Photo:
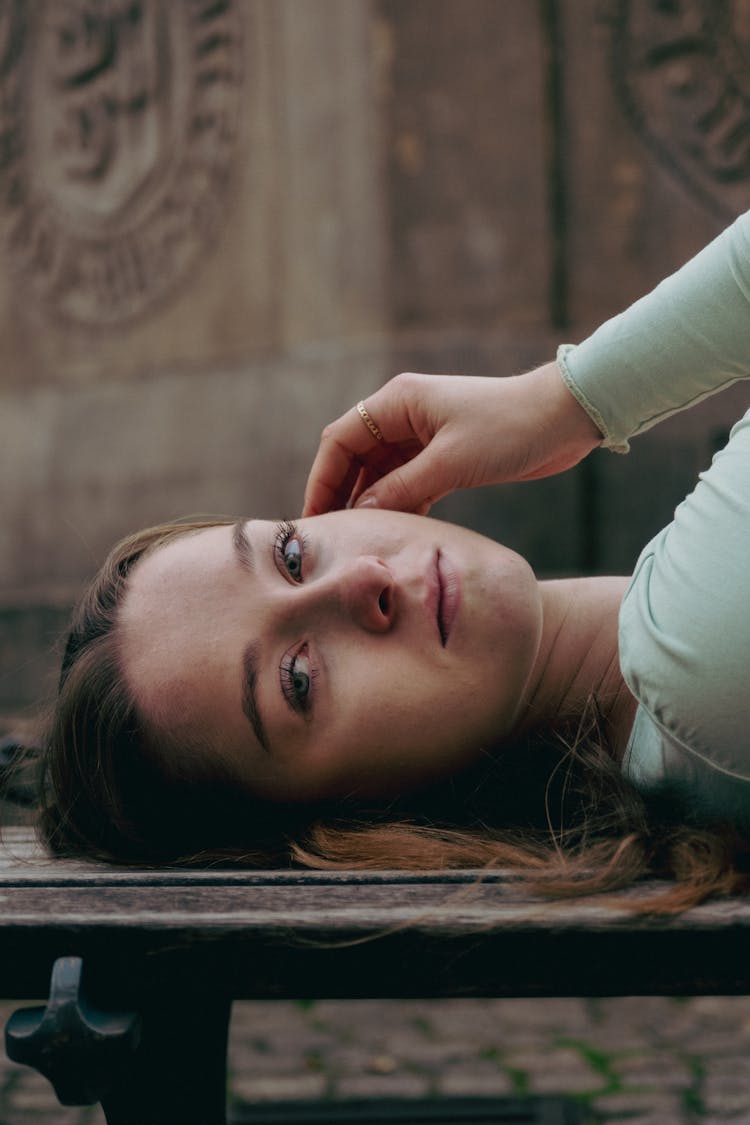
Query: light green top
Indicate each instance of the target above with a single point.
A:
(684, 632)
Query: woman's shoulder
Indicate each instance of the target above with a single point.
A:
(709, 784)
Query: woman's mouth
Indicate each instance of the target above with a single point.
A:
(449, 596)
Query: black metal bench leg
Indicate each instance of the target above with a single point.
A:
(178, 1075)
(165, 1065)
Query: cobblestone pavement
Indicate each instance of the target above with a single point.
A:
(637, 1061)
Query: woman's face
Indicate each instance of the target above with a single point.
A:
(356, 653)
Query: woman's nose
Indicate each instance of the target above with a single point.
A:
(367, 592)
(363, 589)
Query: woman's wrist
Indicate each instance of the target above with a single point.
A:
(567, 417)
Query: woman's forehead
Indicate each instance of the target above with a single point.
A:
(188, 558)
(174, 592)
(177, 608)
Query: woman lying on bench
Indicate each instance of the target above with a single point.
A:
(367, 687)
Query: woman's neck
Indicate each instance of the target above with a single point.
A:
(578, 658)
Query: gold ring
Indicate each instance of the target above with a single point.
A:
(374, 430)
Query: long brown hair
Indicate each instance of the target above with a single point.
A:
(553, 806)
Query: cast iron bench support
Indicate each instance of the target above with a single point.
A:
(166, 1063)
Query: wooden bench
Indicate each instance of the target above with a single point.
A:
(145, 963)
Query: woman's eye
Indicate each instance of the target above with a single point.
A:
(289, 549)
(293, 559)
(296, 679)
(301, 677)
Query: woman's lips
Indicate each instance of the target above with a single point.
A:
(449, 596)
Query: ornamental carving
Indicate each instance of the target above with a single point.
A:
(118, 135)
(682, 68)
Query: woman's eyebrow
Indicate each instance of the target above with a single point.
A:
(242, 546)
(250, 662)
(250, 657)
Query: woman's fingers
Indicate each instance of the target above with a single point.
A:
(414, 484)
(334, 471)
(331, 481)
(348, 445)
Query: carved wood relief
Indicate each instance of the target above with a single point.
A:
(682, 71)
(118, 133)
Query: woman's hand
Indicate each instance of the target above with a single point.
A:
(445, 432)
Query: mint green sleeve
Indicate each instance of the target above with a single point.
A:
(685, 340)
(684, 635)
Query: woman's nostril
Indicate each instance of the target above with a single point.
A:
(384, 602)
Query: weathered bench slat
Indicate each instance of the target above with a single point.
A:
(344, 909)
(222, 898)
(295, 934)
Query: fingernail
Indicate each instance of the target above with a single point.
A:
(367, 502)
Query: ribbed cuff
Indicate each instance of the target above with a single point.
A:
(609, 442)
